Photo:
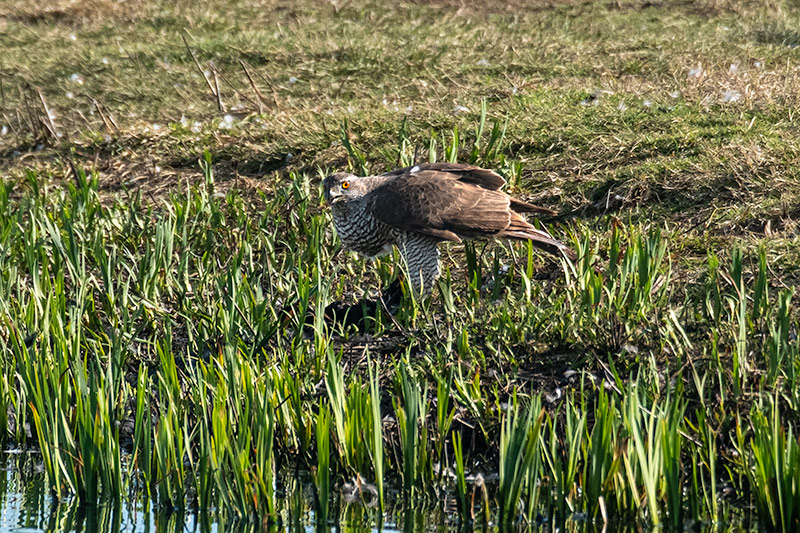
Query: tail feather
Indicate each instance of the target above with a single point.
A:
(524, 207)
(518, 228)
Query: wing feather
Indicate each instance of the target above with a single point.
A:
(484, 178)
(423, 202)
(453, 202)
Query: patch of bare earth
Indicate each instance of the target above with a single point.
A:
(68, 11)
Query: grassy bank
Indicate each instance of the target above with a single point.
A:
(163, 243)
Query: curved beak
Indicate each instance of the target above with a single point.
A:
(331, 195)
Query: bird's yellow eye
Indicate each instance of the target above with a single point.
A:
(345, 185)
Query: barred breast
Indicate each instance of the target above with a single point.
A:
(361, 232)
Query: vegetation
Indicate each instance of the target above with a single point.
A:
(165, 260)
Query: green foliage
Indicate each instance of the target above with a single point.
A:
(519, 445)
(322, 474)
(376, 430)
(464, 508)
(200, 320)
(162, 330)
(410, 413)
(773, 468)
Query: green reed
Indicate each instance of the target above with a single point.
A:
(189, 317)
(774, 468)
(376, 430)
(519, 445)
(322, 474)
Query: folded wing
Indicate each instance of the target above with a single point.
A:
(453, 202)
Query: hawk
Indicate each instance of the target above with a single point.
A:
(415, 208)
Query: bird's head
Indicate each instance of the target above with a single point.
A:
(339, 186)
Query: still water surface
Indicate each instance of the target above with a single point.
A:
(26, 506)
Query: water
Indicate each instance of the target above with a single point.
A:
(27, 506)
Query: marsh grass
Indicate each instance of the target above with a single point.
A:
(519, 445)
(162, 290)
(774, 468)
(212, 417)
(322, 473)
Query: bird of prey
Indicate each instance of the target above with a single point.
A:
(416, 208)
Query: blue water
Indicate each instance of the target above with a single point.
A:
(27, 506)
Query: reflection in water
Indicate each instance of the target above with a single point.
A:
(26, 506)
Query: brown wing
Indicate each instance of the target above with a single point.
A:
(433, 203)
(481, 177)
(430, 203)
(520, 229)
(486, 179)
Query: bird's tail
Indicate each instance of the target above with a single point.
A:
(524, 207)
(522, 230)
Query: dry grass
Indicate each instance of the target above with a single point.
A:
(72, 12)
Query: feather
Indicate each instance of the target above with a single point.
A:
(486, 179)
(451, 202)
(520, 229)
(524, 207)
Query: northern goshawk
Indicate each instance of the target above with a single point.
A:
(415, 208)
